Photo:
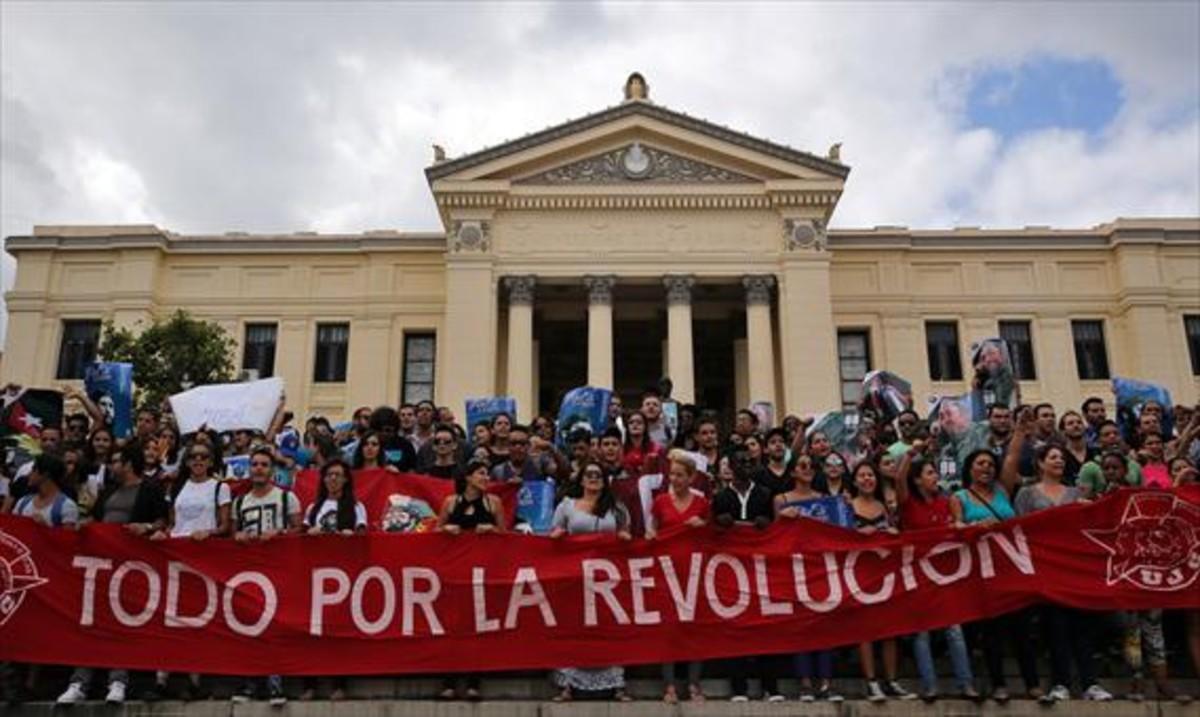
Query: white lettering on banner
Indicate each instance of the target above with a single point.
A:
(270, 603)
(322, 599)
(639, 584)
(603, 588)
(1017, 551)
(175, 571)
(832, 600)
(91, 566)
(852, 586)
(685, 600)
(710, 586)
(766, 605)
(153, 593)
(536, 597)
(422, 599)
(964, 563)
(386, 614)
(483, 623)
(906, 567)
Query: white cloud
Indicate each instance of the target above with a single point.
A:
(216, 117)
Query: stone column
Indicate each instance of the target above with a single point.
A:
(600, 341)
(759, 339)
(520, 343)
(680, 362)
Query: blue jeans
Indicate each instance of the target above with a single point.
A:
(958, 658)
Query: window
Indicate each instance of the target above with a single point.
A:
(259, 352)
(333, 343)
(77, 348)
(420, 354)
(854, 361)
(1191, 326)
(1091, 357)
(1020, 348)
(941, 343)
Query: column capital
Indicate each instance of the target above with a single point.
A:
(679, 288)
(520, 289)
(600, 288)
(758, 288)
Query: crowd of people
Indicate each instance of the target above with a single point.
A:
(161, 485)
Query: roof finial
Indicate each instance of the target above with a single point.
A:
(636, 88)
(835, 152)
(439, 154)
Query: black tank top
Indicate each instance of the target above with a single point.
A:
(469, 514)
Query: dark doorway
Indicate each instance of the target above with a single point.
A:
(562, 360)
(712, 342)
(637, 356)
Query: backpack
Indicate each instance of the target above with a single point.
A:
(56, 509)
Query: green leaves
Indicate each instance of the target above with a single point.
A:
(169, 353)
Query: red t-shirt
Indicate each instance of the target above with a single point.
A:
(666, 515)
(916, 513)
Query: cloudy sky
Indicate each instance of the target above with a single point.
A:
(212, 117)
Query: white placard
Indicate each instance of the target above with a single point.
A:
(228, 406)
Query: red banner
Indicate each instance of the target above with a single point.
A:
(433, 602)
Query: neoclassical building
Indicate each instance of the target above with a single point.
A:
(613, 249)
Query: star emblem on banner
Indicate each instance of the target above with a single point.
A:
(18, 575)
(1156, 544)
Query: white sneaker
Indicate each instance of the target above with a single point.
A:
(739, 698)
(875, 692)
(1096, 693)
(116, 693)
(776, 698)
(74, 694)
(1060, 693)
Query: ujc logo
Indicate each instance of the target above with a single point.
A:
(18, 574)
(1156, 546)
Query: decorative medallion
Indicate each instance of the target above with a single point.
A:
(469, 236)
(804, 234)
(640, 163)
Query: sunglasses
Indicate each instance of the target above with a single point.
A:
(442, 442)
(593, 474)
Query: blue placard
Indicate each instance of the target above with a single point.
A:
(583, 407)
(535, 505)
(483, 410)
(834, 510)
(1132, 395)
(237, 467)
(109, 385)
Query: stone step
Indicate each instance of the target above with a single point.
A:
(520, 708)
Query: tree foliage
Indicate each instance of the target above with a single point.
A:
(169, 354)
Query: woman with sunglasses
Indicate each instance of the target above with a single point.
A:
(199, 510)
(335, 509)
(791, 505)
(596, 510)
(871, 515)
(832, 478)
(470, 510)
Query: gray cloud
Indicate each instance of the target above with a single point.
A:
(306, 116)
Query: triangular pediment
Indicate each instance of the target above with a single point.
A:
(637, 142)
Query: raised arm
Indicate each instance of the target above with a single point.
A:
(902, 475)
(89, 407)
(1010, 472)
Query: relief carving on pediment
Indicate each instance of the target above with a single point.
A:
(638, 163)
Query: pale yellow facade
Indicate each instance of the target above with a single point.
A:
(636, 217)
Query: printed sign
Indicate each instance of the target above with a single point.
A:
(109, 385)
(228, 406)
